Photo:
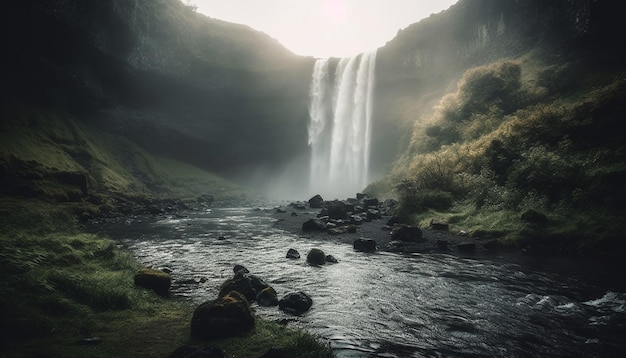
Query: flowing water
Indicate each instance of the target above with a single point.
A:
(392, 305)
(340, 127)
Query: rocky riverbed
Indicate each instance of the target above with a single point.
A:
(380, 227)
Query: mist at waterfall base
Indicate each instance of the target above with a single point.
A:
(339, 135)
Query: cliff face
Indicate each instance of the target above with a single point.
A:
(425, 60)
(209, 92)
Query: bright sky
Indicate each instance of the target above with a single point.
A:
(324, 28)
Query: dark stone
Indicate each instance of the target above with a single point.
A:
(316, 202)
(281, 210)
(407, 234)
(293, 254)
(295, 303)
(361, 196)
(442, 244)
(365, 245)
(316, 257)
(373, 214)
(267, 297)
(466, 247)
(189, 351)
(331, 259)
(313, 225)
(155, 280)
(241, 284)
(338, 209)
(368, 202)
(227, 316)
(238, 269)
(438, 225)
(294, 214)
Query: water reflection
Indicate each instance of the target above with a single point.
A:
(390, 305)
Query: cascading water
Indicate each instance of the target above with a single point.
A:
(340, 126)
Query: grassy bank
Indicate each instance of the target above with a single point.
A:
(62, 286)
(527, 151)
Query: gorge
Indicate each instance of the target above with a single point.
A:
(498, 120)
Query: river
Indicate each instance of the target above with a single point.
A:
(394, 305)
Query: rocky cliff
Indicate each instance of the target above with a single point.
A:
(215, 94)
(425, 60)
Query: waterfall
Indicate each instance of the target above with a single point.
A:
(340, 125)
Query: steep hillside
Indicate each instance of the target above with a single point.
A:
(425, 60)
(512, 118)
(182, 85)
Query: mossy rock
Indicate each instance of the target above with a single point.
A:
(155, 280)
(316, 257)
(224, 317)
(267, 297)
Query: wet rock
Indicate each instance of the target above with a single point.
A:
(338, 209)
(267, 297)
(313, 225)
(241, 284)
(281, 210)
(316, 257)
(393, 220)
(443, 244)
(295, 303)
(226, 316)
(293, 254)
(155, 280)
(238, 269)
(331, 259)
(316, 202)
(407, 234)
(370, 202)
(365, 245)
(190, 351)
(373, 214)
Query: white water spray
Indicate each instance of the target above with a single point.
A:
(340, 126)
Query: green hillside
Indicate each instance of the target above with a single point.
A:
(528, 151)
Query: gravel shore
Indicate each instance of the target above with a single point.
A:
(291, 219)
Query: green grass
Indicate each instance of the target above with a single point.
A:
(516, 136)
(61, 285)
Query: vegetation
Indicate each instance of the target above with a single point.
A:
(525, 152)
(61, 285)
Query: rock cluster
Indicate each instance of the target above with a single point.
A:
(338, 217)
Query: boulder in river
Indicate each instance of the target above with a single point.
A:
(267, 297)
(227, 316)
(316, 202)
(246, 284)
(295, 303)
(293, 254)
(313, 225)
(466, 247)
(316, 257)
(365, 245)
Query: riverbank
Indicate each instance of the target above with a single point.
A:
(69, 293)
(291, 218)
